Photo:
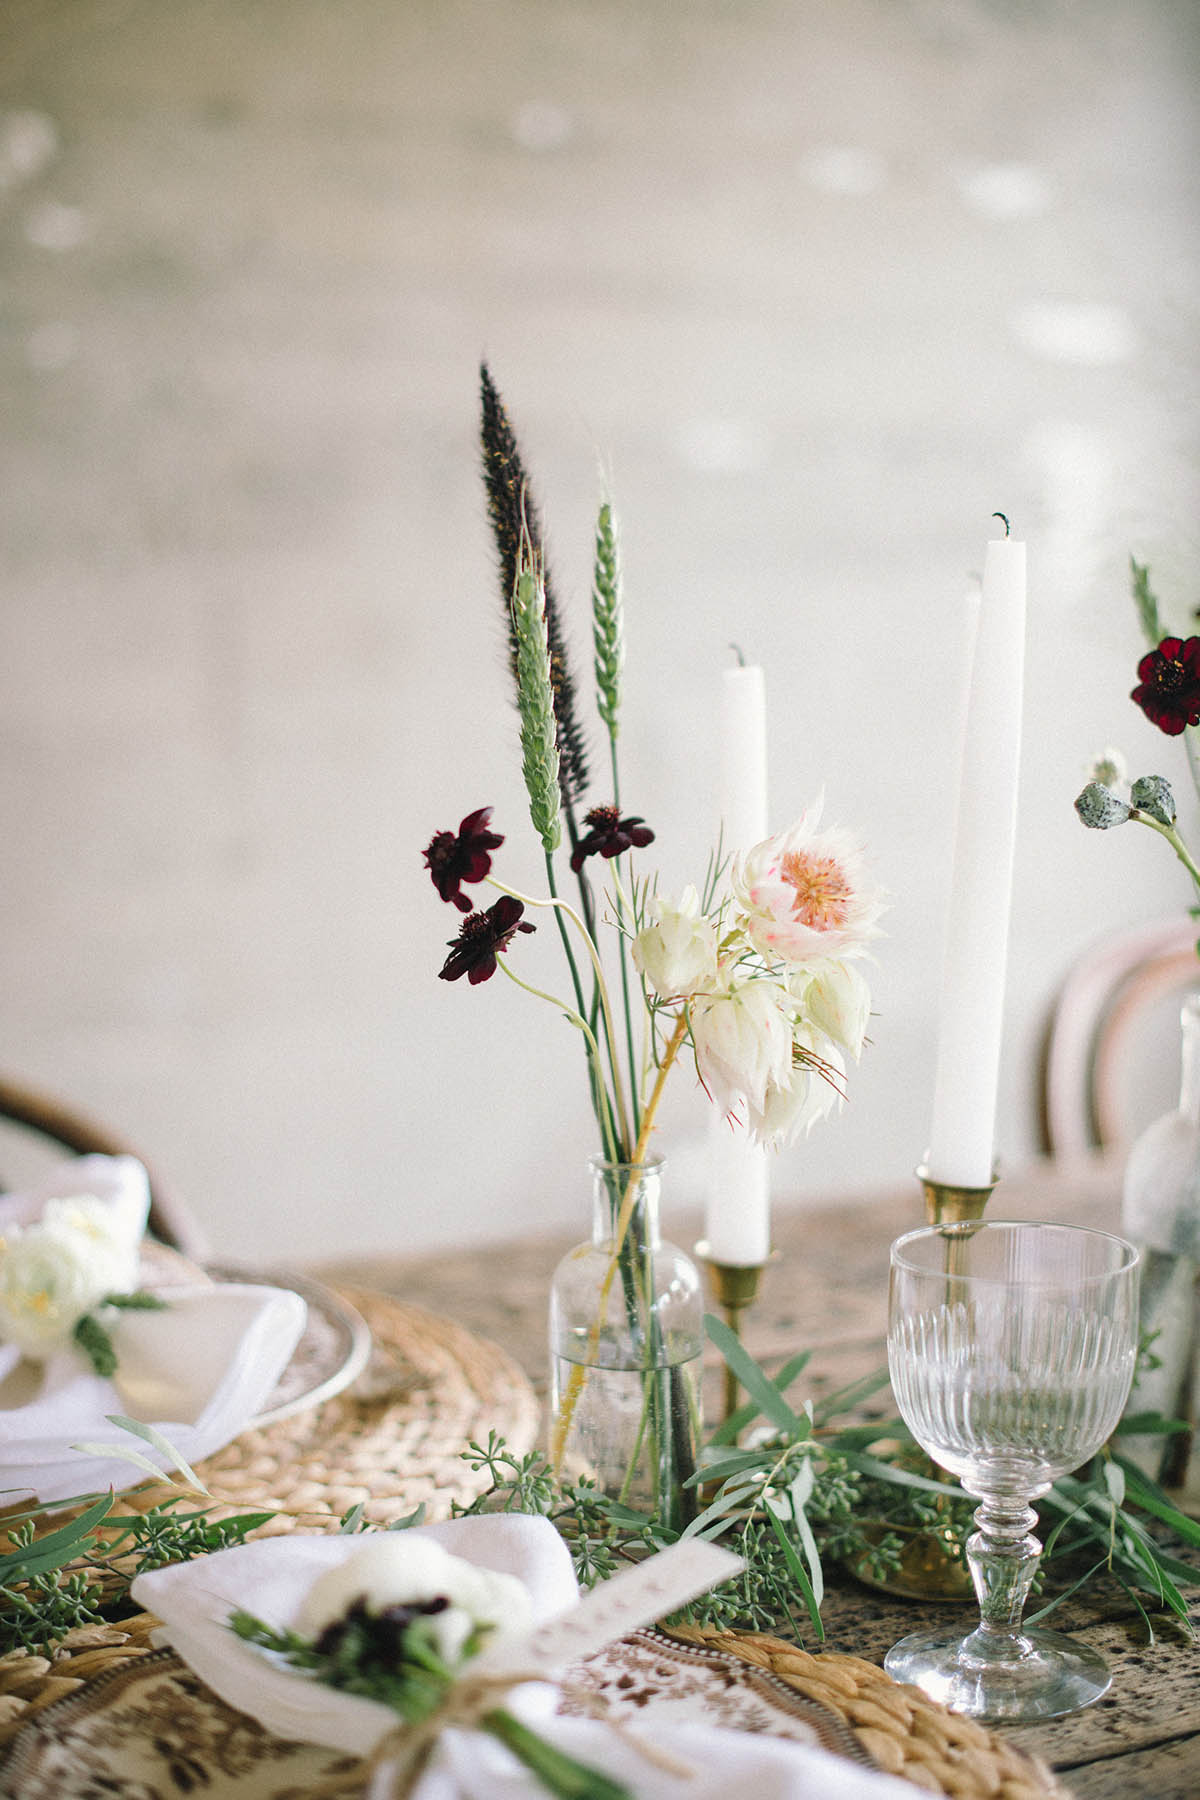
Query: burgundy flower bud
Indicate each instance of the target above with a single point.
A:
(611, 835)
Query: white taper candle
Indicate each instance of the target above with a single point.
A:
(962, 1137)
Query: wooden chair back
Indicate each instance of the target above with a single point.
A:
(1091, 1039)
(55, 1123)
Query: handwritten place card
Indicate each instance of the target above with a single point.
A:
(635, 1597)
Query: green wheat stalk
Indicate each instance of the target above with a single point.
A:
(535, 699)
(608, 635)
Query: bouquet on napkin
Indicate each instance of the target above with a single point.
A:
(82, 1343)
(463, 1630)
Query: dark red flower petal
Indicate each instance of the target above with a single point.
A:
(1168, 689)
(610, 836)
(481, 938)
(465, 855)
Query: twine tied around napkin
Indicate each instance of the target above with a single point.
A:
(470, 1704)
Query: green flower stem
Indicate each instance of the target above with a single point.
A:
(558, 1772)
(634, 1085)
(600, 1100)
(1191, 743)
(562, 1425)
(1171, 833)
(563, 908)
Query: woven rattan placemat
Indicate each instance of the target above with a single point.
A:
(392, 1440)
(75, 1713)
(903, 1731)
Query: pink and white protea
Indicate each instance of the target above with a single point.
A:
(811, 1091)
(835, 998)
(743, 1039)
(677, 952)
(804, 896)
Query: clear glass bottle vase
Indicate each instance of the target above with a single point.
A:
(626, 1335)
(1160, 1212)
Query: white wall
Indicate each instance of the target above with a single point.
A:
(824, 285)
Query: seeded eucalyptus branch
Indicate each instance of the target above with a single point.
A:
(607, 632)
(79, 1573)
(806, 1491)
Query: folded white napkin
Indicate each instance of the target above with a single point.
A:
(271, 1578)
(197, 1371)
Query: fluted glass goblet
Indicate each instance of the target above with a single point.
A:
(1011, 1349)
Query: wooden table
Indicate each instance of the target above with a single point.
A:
(828, 1292)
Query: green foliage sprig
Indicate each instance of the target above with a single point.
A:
(808, 1487)
(80, 1573)
(92, 1336)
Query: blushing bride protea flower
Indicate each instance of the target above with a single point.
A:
(813, 1089)
(836, 999)
(677, 952)
(804, 895)
(743, 1038)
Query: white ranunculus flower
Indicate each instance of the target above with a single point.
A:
(743, 1040)
(804, 895)
(791, 1108)
(113, 1228)
(678, 952)
(50, 1275)
(404, 1568)
(837, 1000)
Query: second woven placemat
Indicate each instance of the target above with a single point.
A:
(392, 1440)
(903, 1731)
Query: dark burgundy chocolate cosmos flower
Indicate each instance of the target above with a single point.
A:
(465, 855)
(1168, 689)
(611, 835)
(481, 938)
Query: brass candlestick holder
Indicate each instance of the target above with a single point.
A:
(948, 1203)
(734, 1287)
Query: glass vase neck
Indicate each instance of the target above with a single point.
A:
(1189, 1081)
(618, 1186)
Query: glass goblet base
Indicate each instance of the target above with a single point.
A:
(1038, 1675)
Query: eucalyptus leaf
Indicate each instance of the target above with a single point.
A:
(158, 1442)
(758, 1385)
(799, 1575)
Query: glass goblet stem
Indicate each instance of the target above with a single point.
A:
(1003, 1556)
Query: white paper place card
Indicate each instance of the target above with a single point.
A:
(637, 1596)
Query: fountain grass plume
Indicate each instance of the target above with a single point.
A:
(514, 517)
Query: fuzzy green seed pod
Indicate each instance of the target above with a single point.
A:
(1152, 794)
(1099, 808)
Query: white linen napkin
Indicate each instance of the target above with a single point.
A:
(197, 1371)
(270, 1579)
(120, 1182)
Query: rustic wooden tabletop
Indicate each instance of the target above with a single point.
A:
(827, 1291)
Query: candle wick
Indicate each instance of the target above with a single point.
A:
(737, 651)
(1004, 521)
